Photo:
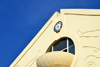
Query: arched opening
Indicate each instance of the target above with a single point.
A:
(59, 54)
(65, 45)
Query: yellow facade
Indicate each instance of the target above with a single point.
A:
(81, 25)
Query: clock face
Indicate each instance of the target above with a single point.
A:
(58, 26)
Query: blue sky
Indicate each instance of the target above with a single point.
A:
(21, 20)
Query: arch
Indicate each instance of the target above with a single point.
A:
(75, 40)
(64, 44)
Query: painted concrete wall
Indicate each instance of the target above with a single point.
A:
(81, 25)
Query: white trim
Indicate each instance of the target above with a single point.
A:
(71, 46)
(67, 45)
(63, 49)
(52, 49)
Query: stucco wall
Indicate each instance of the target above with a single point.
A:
(81, 25)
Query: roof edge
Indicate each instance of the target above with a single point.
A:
(81, 11)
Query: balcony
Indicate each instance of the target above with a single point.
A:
(55, 59)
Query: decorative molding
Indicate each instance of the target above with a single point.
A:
(80, 14)
(92, 33)
(17, 66)
(91, 59)
(91, 64)
(33, 60)
(94, 48)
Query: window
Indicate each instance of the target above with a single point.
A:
(65, 45)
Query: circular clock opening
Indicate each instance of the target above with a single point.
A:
(58, 26)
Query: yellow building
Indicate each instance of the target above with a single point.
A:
(69, 39)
